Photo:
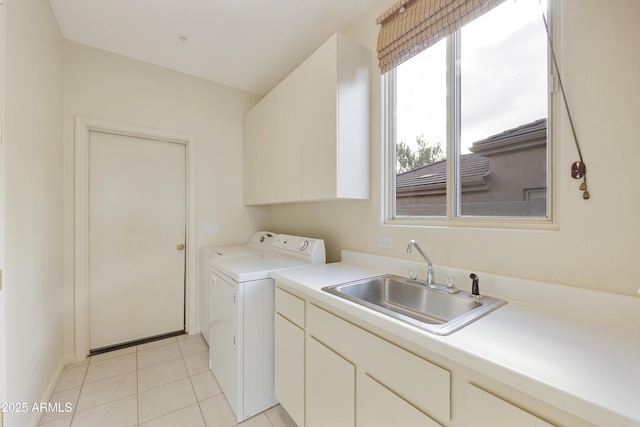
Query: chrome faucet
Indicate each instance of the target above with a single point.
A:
(413, 244)
(429, 283)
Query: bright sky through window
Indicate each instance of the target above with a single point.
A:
(490, 101)
(488, 79)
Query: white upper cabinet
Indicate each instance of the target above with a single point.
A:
(308, 139)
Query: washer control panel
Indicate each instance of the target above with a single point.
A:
(262, 240)
(307, 248)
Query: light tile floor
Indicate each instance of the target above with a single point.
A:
(162, 383)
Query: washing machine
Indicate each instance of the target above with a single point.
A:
(242, 313)
(259, 242)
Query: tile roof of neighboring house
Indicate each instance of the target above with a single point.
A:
(473, 164)
(526, 132)
(436, 173)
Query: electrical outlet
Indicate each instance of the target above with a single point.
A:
(385, 242)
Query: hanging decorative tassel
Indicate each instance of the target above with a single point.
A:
(579, 170)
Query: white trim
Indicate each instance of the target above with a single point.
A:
(388, 139)
(81, 307)
(46, 397)
(451, 218)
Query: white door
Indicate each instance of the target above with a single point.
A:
(137, 208)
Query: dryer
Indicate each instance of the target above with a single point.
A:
(242, 313)
(259, 242)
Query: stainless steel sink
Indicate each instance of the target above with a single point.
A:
(435, 311)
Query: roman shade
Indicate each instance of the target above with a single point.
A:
(411, 26)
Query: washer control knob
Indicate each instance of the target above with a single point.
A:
(303, 245)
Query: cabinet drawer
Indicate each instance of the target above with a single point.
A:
(416, 380)
(290, 307)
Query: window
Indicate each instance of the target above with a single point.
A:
(469, 127)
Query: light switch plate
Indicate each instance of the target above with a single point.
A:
(211, 229)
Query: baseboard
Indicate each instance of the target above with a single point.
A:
(37, 416)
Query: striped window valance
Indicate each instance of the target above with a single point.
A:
(411, 26)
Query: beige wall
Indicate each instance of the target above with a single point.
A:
(42, 102)
(595, 246)
(115, 88)
(598, 241)
(33, 211)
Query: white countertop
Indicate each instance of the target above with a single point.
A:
(548, 346)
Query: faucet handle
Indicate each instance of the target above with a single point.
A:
(451, 282)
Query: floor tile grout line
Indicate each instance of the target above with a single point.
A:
(179, 409)
(84, 378)
(75, 412)
(194, 393)
(160, 363)
(121, 397)
(91, 361)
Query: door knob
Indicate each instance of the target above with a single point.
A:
(180, 247)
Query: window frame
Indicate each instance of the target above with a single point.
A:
(452, 217)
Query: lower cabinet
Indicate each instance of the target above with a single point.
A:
(331, 372)
(418, 388)
(289, 354)
(331, 387)
(289, 367)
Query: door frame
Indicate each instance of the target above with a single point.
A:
(83, 126)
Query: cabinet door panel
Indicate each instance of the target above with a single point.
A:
(319, 156)
(283, 178)
(308, 139)
(259, 127)
(267, 146)
(485, 409)
(380, 407)
(330, 388)
(289, 368)
(424, 384)
(353, 121)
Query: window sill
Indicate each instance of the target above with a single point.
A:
(476, 222)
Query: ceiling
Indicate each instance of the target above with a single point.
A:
(250, 45)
